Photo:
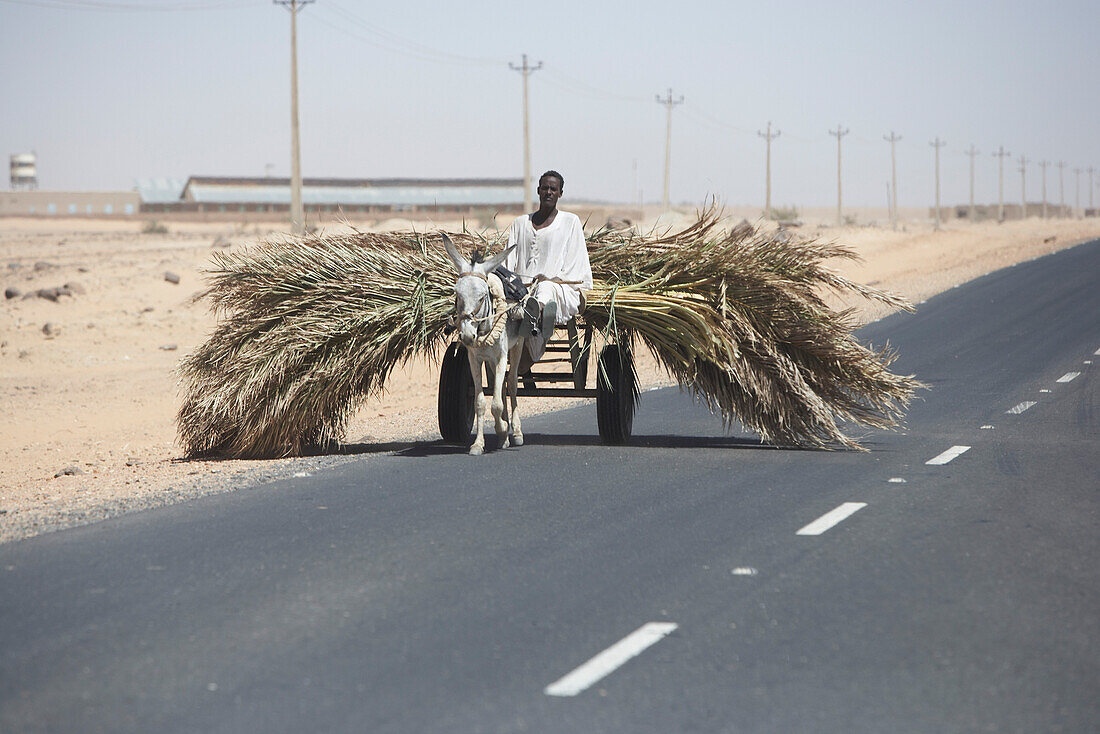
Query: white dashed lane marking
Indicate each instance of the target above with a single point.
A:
(1069, 376)
(607, 661)
(831, 518)
(952, 453)
(1016, 410)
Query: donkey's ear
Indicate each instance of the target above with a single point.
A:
(495, 261)
(459, 261)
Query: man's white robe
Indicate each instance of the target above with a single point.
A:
(555, 252)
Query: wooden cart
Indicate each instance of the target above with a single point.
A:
(615, 391)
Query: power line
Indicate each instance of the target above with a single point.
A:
(106, 6)
(589, 93)
(400, 44)
(577, 86)
(705, 116)
(348, 23)
(316, 18)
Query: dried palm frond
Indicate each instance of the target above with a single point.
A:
(311, 327)
(738, 318)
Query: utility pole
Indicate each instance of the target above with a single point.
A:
(527, 187)
(1077, 186)
(768, 168)
(1061, 191)
(668, 102)
(1090, 169)
(893, 200)
(1043, 165)
(634, 191)
(1023, 186)
(840, 132)
(1000, 155)
(972, 152)
(937, 144)
(297, 214)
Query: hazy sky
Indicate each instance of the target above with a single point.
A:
(109, 91)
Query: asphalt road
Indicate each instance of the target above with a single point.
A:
(567, 586)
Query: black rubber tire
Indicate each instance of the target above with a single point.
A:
(456, 397)
(616, 394)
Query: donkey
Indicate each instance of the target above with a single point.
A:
(491, 337)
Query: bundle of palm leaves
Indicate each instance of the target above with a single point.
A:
(310, 327)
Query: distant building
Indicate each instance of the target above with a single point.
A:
(333, 196)
(24, 171)
(159, 190)
(986, 212)
(69, 203)
(234, 199)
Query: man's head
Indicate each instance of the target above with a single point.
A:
(551, 186)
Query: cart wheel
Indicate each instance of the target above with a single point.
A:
(456, 397)
(616, 394)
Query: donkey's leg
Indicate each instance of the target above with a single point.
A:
(479, 404)
(513, 385)
(500, 372)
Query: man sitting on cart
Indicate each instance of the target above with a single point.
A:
(552, 259)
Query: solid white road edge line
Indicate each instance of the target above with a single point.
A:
(946, 456)
(831, 518)
(607, 661)
(1016, 410)
(1068, 376)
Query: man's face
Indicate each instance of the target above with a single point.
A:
(549, 191)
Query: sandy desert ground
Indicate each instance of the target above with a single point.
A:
(87, 383)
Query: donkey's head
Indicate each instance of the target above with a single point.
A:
(473, 302)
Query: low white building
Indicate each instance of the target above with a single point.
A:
(221, 195)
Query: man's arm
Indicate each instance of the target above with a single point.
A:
(512, 261)
(575, 263)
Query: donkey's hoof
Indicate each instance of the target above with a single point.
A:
(476, 450)
(504, 443)
(517, 439)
